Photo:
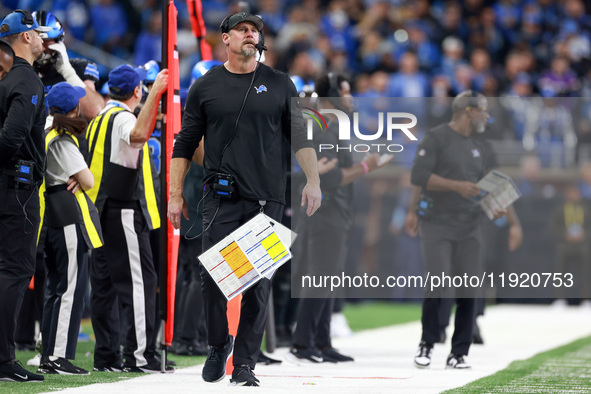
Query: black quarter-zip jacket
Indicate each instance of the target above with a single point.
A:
(254, 155)
(22, 117)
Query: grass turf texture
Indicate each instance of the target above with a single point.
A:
(84, 360)
(368, 315)
(360, 316)
(566, 369)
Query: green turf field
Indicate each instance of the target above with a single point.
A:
(369, 315)
(83, 360)
(566, 369)
(360, 316)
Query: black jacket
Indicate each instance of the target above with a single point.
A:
(337, 200)
(22, 118)
(254, 155)
(450, 155)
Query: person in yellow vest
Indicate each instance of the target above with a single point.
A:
(124, 195)
(72, 229)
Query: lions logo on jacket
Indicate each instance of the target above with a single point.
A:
(260, 89)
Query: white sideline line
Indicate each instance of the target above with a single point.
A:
(384, 358)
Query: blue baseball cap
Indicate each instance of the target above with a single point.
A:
(20, 21)
(64, 97)
(124, 79)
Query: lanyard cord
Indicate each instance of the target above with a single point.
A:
(238, 117)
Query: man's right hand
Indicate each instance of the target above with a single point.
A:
(176, 206)
(467, 189)
(161, 82)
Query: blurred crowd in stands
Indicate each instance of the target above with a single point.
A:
(394, 48)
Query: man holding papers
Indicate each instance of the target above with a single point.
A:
(447, 166)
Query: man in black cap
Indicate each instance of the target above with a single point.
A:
(243, 109)
(22, 153)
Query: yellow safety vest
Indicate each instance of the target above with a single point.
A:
(62, 208)
(98, 135)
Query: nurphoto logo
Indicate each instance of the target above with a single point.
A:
(394, 122)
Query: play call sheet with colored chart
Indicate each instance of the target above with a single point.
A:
(253, 251)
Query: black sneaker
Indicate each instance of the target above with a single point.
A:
(264, 359)
(456, 361)
(423, 356)
(153, 367)
(298, 355)
(60, 366)
(14, 372)
(183, 349)
(169, 363)
(214, 369)
(332, 356)
(244, 376)
(110, 368)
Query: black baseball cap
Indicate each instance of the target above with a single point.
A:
(231, 21)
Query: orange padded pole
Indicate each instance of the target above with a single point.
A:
(233, 314)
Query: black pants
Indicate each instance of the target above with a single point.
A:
(67, 282)
(32, 306)
(126, 258)
(18, 237)
(313, 324)
(253, 310)
(452, 250)
(322, 253)
(190, 327)
(104, 313)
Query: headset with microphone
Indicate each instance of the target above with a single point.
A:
(28, 19)
(260, 46)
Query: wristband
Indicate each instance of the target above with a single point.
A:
(365, 167)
